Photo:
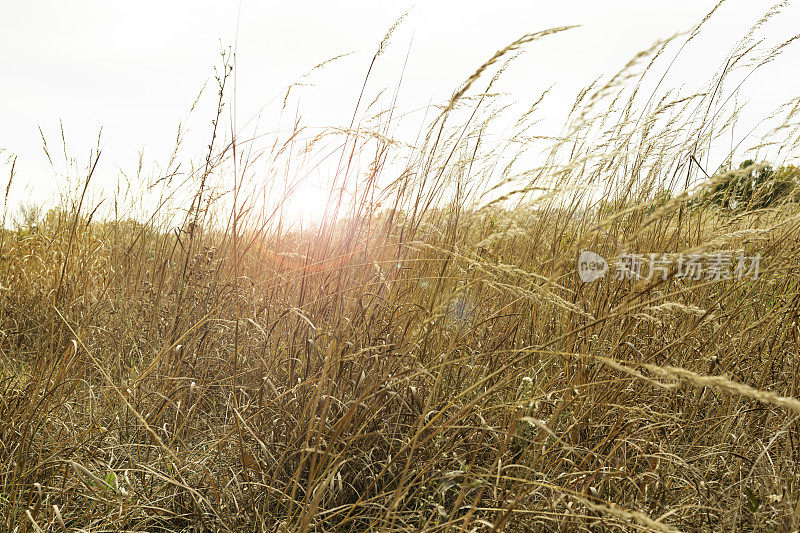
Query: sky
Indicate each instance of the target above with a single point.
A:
(134, 69)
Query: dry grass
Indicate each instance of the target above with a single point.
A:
(434, 364)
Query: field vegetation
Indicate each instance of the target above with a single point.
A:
(425, 356)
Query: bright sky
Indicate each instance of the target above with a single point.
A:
(135, 68)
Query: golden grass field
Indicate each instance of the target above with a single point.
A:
(424, 358)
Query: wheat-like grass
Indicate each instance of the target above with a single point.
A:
(426, 357)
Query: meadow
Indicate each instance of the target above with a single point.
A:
(425, 356)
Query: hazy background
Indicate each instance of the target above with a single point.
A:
(135, 69)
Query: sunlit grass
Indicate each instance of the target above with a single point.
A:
(417, 354)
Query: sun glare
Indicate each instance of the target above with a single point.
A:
(305, 206)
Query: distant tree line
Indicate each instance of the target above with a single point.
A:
(754, 186)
